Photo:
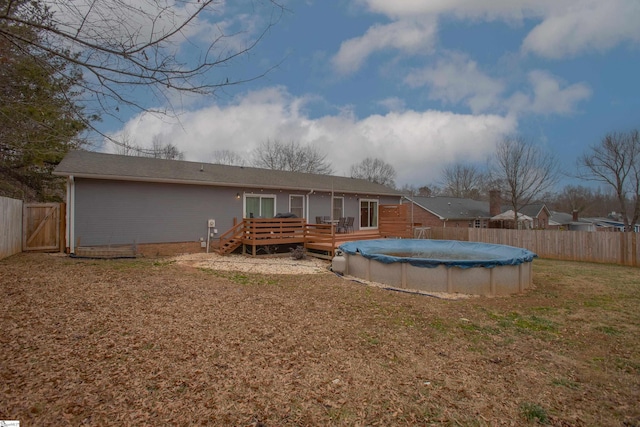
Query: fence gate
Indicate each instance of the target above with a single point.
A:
(42, 227)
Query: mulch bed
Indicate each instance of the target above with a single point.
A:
(152, 342)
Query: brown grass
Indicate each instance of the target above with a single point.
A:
(149, 342)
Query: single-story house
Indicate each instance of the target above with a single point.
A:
(459, 212)
(115, 199)
(565, 221)
(449, 212)
(530, 217)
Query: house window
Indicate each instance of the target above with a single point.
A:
(338, 207)
(259, 206)
(477, 224)
(368, 213)
(296, 205)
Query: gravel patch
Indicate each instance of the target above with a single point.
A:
(263, 265)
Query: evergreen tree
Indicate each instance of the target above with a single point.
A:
(40, 120)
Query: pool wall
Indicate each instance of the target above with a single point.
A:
(494, 281)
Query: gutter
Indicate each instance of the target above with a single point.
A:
(212, 183)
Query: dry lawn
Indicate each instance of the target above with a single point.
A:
(155, 342)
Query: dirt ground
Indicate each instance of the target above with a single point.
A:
(154, 341)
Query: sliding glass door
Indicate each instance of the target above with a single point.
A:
(259, 206)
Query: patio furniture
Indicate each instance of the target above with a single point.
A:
(341, 227)
(349, 224)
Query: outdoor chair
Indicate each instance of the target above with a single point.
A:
(341, 227)
(319, 220)
(349, 224)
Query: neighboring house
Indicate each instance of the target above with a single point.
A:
(530, 217)
(565, 221)
(459, 212)
(539, 213)
(449, 212)
(610, 224)
(114, 199)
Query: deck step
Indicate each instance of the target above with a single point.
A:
(229, 246)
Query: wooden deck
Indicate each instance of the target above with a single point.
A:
(258, 235)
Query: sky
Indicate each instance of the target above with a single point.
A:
(420, 84)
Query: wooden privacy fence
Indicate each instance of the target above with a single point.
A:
(43, 227)
(613, 247)
(10, 227)
(393, 221)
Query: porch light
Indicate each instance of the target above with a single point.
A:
(238, 196)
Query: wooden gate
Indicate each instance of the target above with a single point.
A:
(43, 227)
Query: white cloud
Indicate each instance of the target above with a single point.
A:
(471, 9)
(566, 28)
(456, 79)
(407, 36)
(416, 143)
(548, 96)
(584, 26)
(393, 104)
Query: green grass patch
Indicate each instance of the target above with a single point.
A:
(564, 382)
(524, 323)
(609, 330)
(533, 412)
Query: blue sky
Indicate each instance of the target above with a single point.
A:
(420, 84)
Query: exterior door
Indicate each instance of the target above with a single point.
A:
(41, 227)
(368, 213)
(259, 206)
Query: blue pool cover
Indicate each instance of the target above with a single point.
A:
(433, 253)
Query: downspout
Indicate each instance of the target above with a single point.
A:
(308, 213)
(71, 199)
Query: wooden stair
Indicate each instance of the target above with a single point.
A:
(231, 240)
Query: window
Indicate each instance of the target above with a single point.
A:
(368, 213)
(259, 206)
(296, 205)
(338, 207)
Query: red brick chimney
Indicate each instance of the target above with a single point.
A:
(574, 215)
(495, 202)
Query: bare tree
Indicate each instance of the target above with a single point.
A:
(227, 157)
(125, 145)
(422, 191)
(374, 170)
(616, 162)
(291, 157)
(522, 171)
(461, 180)
(123, 45)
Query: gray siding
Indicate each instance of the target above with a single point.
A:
(125, 212)
(122, 212)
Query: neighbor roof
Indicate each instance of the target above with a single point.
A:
(88, 164)
(453, 207)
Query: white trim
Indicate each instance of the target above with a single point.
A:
(333, 207)
(261, 195)
(377, 202)
(71, 223)
(304, 213)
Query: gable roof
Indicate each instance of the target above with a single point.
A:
(88, 164)
(453, 207)
(534, 210)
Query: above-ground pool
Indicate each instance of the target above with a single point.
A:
(440, 265)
